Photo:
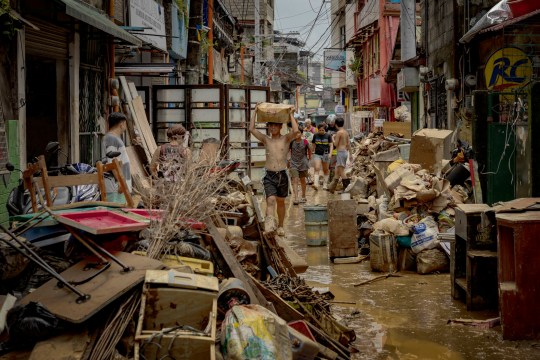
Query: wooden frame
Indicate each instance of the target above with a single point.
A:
(49, 182)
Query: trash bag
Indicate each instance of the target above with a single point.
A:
(429, 261)
(254, 332)
(30, 323)
(425, 235)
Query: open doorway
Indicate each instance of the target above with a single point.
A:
(46, 105)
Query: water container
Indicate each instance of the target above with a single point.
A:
(316, 223)
(316, 233)
(383, 252)
(316, 213)
(405, 151)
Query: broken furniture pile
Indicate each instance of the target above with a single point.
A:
(149, 283)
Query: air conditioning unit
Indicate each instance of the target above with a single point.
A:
(408, 79)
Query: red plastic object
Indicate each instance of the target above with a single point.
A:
(157, 214)
(100, 222)
(303, 328)
(522, 7)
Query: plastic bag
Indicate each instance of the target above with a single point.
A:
(429, 261)
(30, 323)
(392, 226)
(425, 235)
(383, 208)
(254, 332)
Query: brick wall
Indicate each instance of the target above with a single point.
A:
(11, 180)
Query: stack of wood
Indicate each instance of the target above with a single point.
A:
(143, 143)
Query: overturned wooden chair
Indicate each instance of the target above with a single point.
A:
(47, 183)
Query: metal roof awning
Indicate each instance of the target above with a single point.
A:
(91, 16)
(362, 35)
(146, 69)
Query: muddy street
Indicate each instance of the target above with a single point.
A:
(400, 317)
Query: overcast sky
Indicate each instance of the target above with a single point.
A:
(299, 15)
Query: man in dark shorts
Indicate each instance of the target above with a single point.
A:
(275, 181)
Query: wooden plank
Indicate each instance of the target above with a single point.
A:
(133, 90)
(68, 180)
(299, 264)
(69, 345)
(129, 111)
(138, 174)
(237, 270)
(143, 125)
(103, 289)
(125, 88)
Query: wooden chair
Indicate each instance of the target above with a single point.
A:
(50, 182)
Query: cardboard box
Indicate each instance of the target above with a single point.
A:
(429, 147)
(399, 127)
(277, 113)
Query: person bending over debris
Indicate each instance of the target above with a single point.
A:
(343, 146)
(169, 158)
(275, 180)
(112, 142)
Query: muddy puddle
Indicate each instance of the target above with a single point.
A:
(404, 317)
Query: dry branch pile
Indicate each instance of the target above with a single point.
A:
(189, 198)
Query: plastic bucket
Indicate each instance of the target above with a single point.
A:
(316, 233)
(315, 213)
(458, 174)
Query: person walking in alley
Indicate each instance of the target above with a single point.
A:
(322, 143)
(169, 158)
(299, 165)
(275, 180)
(342, 144)
(112, 141)
(309, 128)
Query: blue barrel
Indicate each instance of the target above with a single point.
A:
(316, 213)
(316, 224)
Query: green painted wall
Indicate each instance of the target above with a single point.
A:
(11, 179)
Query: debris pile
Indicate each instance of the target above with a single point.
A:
(404, 206)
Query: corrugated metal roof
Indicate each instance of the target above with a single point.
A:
(91, 16)
(509, 22)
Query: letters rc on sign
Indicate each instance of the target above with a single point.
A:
(506, 68)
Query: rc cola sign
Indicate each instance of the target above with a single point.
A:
(507, 68)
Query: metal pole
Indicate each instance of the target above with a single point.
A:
(33, 256)
(257, 58)
(211, 42)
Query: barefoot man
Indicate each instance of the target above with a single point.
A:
(275, 181)
(343, 145)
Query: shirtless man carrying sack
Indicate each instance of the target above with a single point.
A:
(275, 181)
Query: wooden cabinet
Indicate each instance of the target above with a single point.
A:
(519, 266)
(177, 318)
(473, 259)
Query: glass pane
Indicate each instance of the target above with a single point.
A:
(205, 95)
(205, 115)
(172, 95)
(171, 115)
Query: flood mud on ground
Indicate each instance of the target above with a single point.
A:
(399, 317)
